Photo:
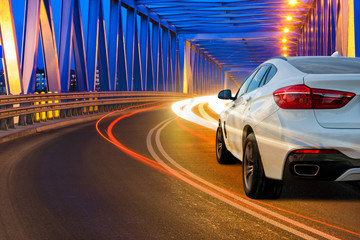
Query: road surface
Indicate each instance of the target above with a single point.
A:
(145, 173)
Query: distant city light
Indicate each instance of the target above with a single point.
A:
(284, 40)
(286, 30)
(285, 55)
(289, 18)
(284, 48)
(293, 2)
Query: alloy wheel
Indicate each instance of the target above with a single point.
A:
(249, 166)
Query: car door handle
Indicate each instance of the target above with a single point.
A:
(247, 99)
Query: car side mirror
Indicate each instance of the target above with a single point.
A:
(225, 95)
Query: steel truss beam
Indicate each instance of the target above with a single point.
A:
(79, 50)
(155, 52)
(144, 38)
(122, 74)
(96, 47)
(48, 43)
(160, 83)
(71, 37)
(113, 43)
(30, 44)
(38, 15)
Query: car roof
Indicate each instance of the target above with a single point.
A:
(310, 57)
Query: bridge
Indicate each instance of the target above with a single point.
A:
(90, 147)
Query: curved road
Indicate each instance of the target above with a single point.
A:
(147, 174)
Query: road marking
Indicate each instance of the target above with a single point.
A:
(161, 126)
(205, 114)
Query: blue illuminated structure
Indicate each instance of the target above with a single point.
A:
(38, 19)
(169, 45)
(331, 26)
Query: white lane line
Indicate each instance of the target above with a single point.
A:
(221, 198)
(206, 115)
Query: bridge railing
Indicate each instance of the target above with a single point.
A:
(33, 108)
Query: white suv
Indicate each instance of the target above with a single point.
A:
(296, 117)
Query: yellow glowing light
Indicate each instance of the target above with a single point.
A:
(284, 48)
(286, 30)
(185, 86)
(284, 40)
(186, 80)
(351, 30)
(289, 18)
(10, 49)
(293, 2)
(285, 55)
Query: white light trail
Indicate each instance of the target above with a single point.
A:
(184, 110)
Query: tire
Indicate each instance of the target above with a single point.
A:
(256, 184)
(223, 155)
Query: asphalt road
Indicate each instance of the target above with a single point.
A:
(150, 175)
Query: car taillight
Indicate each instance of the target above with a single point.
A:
(303, 97)
(293, 97)
(327, 99)
(316, 151)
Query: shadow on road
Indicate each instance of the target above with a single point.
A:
(321, 190)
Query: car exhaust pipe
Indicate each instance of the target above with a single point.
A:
(306, 170)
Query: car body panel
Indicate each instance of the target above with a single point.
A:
(280, 131)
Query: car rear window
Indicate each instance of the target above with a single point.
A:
(327, 65)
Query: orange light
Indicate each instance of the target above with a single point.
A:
(289, 18)
(286, 30)
(285, 55)
(284, 48)
(284, 40)
(293, 2)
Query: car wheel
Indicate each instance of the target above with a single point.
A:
(223, 155)
(256, 184)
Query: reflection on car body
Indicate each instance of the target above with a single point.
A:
(292, 118)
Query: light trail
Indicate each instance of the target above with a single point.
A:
(183, 110)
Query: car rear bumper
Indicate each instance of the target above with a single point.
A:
(284, 131)
(352, 174)
(329, 167)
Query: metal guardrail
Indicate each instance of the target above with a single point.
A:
(34, 108)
